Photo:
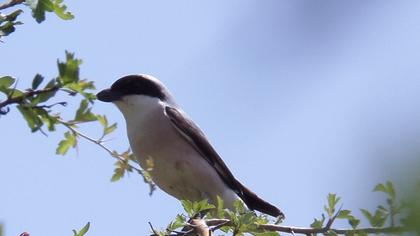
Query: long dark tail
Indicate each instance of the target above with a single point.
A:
(256, 203)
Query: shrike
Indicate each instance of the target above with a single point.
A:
(184, 163)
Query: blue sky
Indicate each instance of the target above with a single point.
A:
(300, 98)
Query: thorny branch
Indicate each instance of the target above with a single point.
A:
(10, 3)
(18, 99)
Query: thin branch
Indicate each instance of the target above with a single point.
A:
(304, 230)
(332, 219)
(99, 143)
(153, 229)
(18, 99)
(310, 231)
(10, 4)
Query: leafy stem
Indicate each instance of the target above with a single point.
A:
(11, 99)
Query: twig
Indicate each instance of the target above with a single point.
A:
(18, 99)
(99, 143)
(52, 105)
(153, 230)
(10, 4)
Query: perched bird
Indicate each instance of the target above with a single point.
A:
(184, 163)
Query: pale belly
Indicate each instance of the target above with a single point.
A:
(176, 167)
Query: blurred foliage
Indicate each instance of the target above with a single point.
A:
(1, 229)
(411, 206)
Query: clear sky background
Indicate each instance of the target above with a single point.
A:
(300, 98)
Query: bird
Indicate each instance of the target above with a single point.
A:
(164, 139)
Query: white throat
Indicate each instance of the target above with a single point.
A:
(137, 105)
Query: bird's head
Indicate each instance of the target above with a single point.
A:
(135, 93)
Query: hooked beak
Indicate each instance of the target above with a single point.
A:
(107, 95)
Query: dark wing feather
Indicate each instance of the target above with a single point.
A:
(196, 137)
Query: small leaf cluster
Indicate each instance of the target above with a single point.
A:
(382, 213)
(40, 7)
(383, 216)
(34, 103)
(333, 213)
(122, 166)
(411, 207)
(124, 162)
(244, 221)
(8, 23)
(241, 220)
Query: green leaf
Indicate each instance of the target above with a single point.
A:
(43, 97)
(387, 188)
(69, 70)
(188, 207)
(332, 202)
(220, 207)
(84, 113)
(39, 7)
(5, 83)
(110, 129)
(376, 220)
(354, 223)
(118, 174)
(367, 214)
(344, 214)
(318, 224)
(80, 87)
(37, 81)
(239, 206)
(60, 10)
(10, 17)
(179, 222)
(8, 23)
(192, 208)
(14, 93)
(83, 231)
(31, 117)
(380, 188)
(102, 120)
(65, 144)
(48, 119)
(202, 205)
(391, 189)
